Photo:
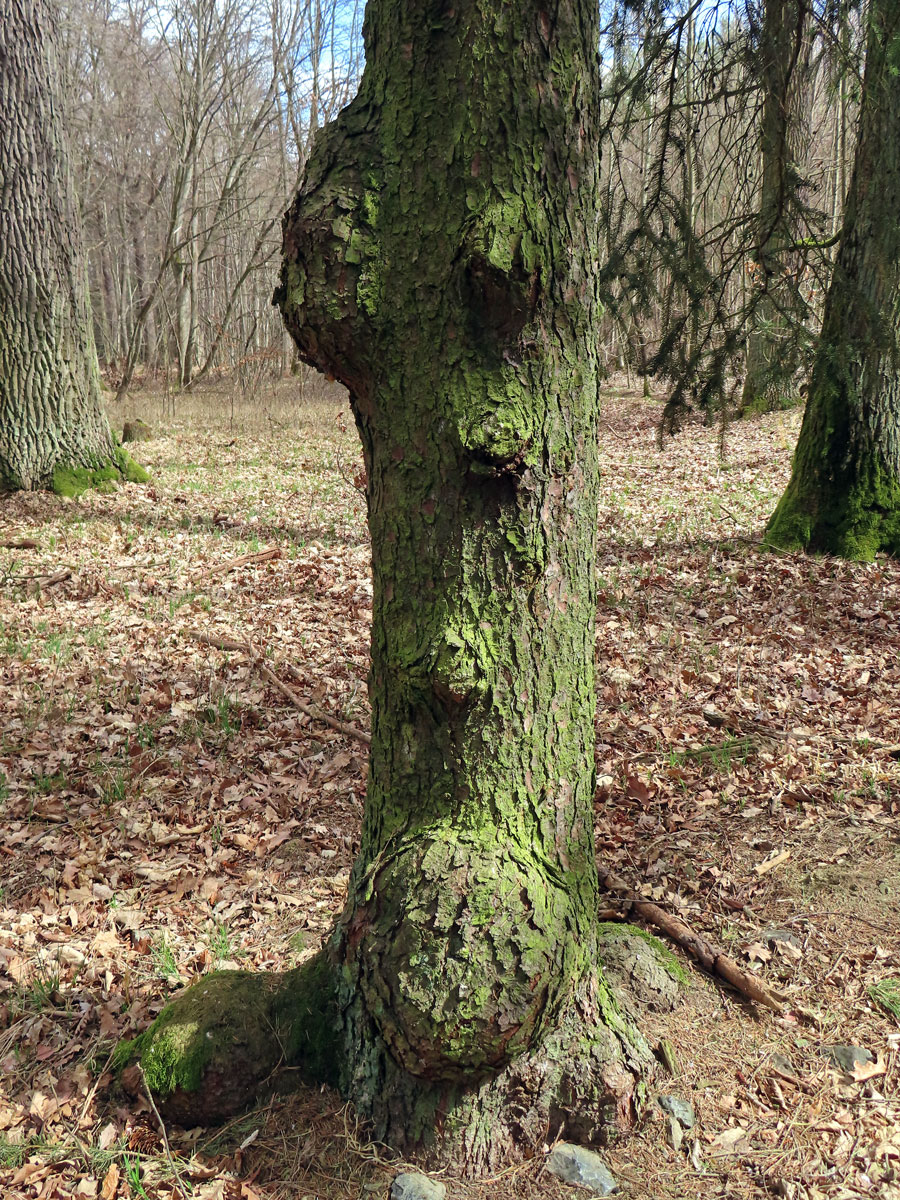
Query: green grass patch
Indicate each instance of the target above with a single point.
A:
(886, 994)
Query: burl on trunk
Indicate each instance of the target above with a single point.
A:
(440, 261)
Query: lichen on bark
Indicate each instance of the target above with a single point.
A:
(440, 260)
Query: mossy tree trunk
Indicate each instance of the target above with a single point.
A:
(440, 259)
(772, 351)
(844, 493)
(51, 419)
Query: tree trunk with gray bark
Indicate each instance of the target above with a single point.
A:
(52, 428)
(844, 493)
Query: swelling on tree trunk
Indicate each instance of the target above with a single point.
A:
(440, 259)
(52, 428)
(844, 493)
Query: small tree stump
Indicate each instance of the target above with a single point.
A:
(136, 431)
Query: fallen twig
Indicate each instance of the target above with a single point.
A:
(225, 567)
(712, 960)
(19, 544)
(44, 578)
(621, 436)
(333, 722)
(269, 675)
(162, 1130)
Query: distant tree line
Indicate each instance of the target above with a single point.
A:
(190, 125)
(742, 253)
(728, 137)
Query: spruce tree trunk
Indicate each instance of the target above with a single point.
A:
(440, 260)
(772, 356)
(52, 428)
(844, 493)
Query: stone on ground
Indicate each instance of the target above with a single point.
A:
(412, 1185)
(679, 1109)
(848, 1058)
(575, 1164)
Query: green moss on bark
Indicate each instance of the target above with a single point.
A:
(855, 523)
(215, 1047)
(842, 497)
(130, 470)
(72, 481)
(610, 931)
(440, 259)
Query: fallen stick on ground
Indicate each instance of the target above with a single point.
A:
(45, 578)
(289, 694)
(712, 960)
(225, 567)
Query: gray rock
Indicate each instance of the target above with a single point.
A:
(574, 1164)
(780, 934)
(679, 1109)
(412, 1185)
(780, 1063)
(848, 1057)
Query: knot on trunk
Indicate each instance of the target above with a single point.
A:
(460, 953)
(331, 282)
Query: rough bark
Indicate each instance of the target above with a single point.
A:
(52, 428)
(440, 259)
(844, 493)
(772, 357)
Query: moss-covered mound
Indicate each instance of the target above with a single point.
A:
(221, 1042)
(121, 468)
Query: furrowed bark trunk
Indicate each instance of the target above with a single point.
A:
(440, 259)
(844, 493)
(772, 357)
(52, 427)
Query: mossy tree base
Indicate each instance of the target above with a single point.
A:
(218, 1045)
(72, 481)
(233, 1036)
(586, 1079)
(854, 520)
(756, 404)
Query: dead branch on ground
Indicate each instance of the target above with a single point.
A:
(269, 675)
(225, 567)
(712, 960)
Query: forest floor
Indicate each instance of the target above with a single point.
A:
(166, 810)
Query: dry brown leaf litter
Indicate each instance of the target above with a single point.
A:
(167, 812)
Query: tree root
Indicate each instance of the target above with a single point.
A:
(717, 963)
(223, 1040)
(234, 1035)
